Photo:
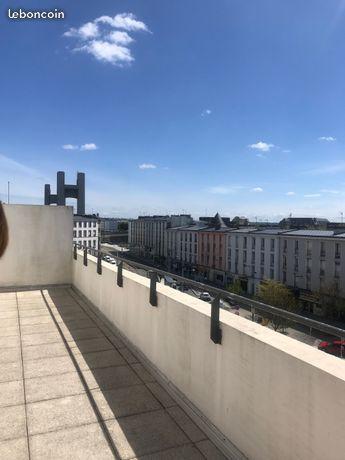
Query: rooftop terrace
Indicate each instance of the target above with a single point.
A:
(94, 368)
(70, 388)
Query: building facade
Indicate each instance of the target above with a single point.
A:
(253, 255)
(310, 261)
(182, 248)
(212, 250)
(86, 231)
(147, 235)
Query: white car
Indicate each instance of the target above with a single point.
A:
(205, 296)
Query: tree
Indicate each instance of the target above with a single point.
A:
(332, 304)
(235, 287)
(278, 295)
(122, 227)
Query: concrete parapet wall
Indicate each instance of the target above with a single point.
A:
(273, 397)
(40, 246)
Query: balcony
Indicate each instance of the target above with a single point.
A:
(94, 368)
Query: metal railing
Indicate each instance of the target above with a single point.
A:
(254, 306)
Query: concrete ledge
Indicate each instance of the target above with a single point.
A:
(269, 395)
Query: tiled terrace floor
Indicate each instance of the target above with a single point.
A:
(70, 389)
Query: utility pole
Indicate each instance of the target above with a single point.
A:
(8, 192)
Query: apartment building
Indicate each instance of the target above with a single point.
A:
(253, 255)
(86, 231)
(313, 260)
(212, 250)
(182, 247)
(147, 235)
(308, 260)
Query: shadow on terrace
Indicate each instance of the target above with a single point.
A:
(72, 389)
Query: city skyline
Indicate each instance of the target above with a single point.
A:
(168, 108)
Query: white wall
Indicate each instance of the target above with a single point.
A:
(40, 245)
(271, 396)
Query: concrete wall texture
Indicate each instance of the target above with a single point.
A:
(40, 245)
(272, 396)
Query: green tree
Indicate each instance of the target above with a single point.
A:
(235, 287)
(332, 304)
(278, 295)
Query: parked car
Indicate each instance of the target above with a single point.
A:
(205, 296)
(335, 348)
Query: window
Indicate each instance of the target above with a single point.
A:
(244, 256)
(271, 273)
(80, 233)
(262, 258)
(236, 256)
(309, 265)
(296, 246)
(245, 242)
(296, 264)
(262, 272)
(337, 270)
(284, 261)
(284, 277)
(322, 249)
(272, 259)
(74, 233)
(272, 244)
(253, 243)
(322, 267)
(262, 244)
(309, 248)
(236, 241)
(253, 258)
(337, 250)
(285, 246)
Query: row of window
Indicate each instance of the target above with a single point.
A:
(84, 233)
(253, 246)
(310, 248)
(85, 224)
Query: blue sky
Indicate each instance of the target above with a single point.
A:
(171, 106)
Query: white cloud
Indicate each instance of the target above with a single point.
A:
(225, 190)
(147, 166)
(102, 39)
(312, 195)
(126, 21)
(87, 31)
(90, 146)
(286, 151)
(108, 52)
(327, 138)
(120, 37)
(262, 146)
(290, 193)
(257, 189)
(206, 112)
(70, 147)
(333, 192)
